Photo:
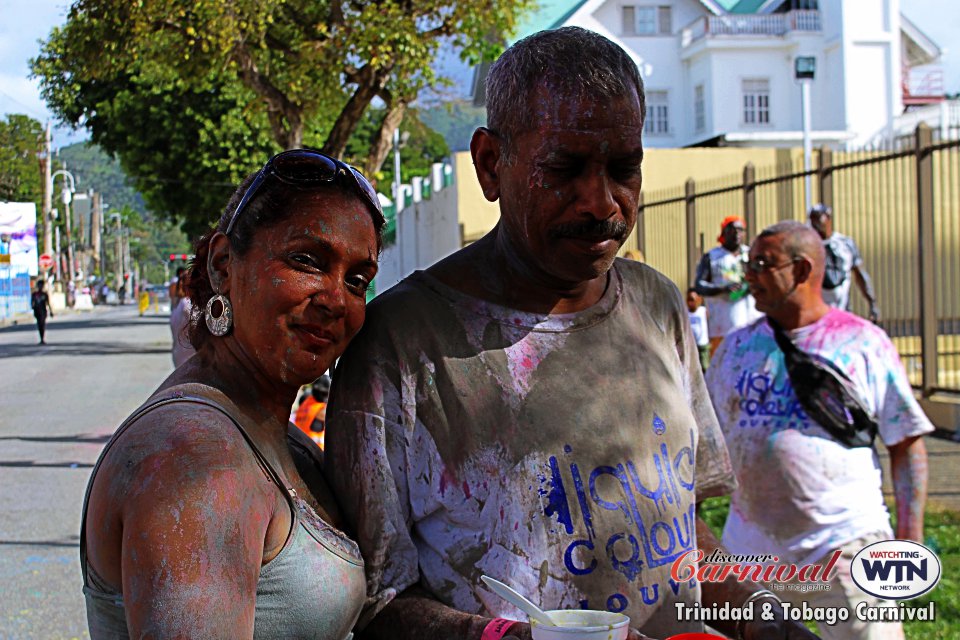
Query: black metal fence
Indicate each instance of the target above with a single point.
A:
(900, 203)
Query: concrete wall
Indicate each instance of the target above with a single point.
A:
(871, 40)
(427, 230)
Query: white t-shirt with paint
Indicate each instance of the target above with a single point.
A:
(728, 310)
(801, 493)
(698, 324)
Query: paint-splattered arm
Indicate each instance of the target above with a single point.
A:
(414, 615)
(736, 593)
(908, 465)
(195, 517)
(866, 288)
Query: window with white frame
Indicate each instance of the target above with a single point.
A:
(756, 101)
(647, 20)
(658, 114)
(699, 109)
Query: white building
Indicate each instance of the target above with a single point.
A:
(721, 72)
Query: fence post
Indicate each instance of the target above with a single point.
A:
(750, 199)
(925, 235)
(692, 257)
(641, 229)
(825, 176)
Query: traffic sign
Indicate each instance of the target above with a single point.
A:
(46, 261)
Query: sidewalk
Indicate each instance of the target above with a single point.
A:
(28, 319)
(943, 455)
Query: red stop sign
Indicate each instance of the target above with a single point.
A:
(45, 261)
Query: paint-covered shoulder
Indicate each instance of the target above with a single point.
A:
(400, 304)
(639, 276)
(843, 324)
(177, 444)
(753, 337)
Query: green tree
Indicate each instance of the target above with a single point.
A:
(21, 138)
(213, 82)
(455, 121)
(97, 170)
(422, 147)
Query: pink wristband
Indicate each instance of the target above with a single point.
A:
(497, 628)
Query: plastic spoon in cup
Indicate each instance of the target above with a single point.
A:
(519, 601)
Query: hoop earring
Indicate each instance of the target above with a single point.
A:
(219, 325)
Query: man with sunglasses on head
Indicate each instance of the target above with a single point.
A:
(843, 260)
(806, 485)
(532, 408)
(719, 279)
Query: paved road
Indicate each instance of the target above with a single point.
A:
(59, 405)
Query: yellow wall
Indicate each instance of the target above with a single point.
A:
(662, 169)
(477, 215)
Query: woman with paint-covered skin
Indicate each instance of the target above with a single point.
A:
(207, 515)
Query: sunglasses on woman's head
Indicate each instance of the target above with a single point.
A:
(305, 168)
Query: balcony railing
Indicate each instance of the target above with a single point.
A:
(773, 24)
(922, 85)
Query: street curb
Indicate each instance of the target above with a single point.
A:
(28, 319)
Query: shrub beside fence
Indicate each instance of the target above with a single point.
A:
(902, 206)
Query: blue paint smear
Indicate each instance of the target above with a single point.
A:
(557, 504)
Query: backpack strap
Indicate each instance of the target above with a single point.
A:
(826, 393)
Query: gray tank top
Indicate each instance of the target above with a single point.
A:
(314, 588)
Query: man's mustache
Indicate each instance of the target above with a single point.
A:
(592, 230)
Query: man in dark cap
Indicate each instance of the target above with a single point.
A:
(842, 260)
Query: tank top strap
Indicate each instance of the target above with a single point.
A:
(166, 399)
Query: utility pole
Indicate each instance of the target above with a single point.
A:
(119, 269)
(96, 225)
(804, 70)
(47, 195)
(396, 173)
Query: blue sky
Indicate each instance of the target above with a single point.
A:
(24, 22)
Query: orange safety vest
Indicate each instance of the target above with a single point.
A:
(306, 413)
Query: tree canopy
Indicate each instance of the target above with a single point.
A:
(192, 94)
(21, 139)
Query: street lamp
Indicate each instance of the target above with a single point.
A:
(66, 196)
(805, 68)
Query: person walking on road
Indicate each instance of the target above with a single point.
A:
(40, 303)
(843, 260)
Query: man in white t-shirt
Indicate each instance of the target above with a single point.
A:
(843, 263)
(719, 280)
(802, 493)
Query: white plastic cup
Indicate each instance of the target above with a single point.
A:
(583, 624)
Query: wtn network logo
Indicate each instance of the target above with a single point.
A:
(895, 569)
